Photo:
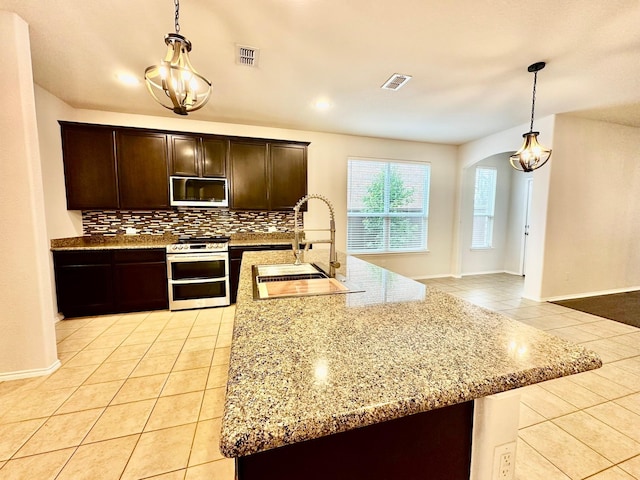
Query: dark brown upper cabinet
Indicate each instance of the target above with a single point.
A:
(110, 167)
(287, 175)
(249, 176)
(267, 175)
(89, 167)
(198, 156)
(142, 169)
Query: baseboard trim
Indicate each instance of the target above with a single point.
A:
(431, 277)
(452, 275)
(493, 272)
(514, 273)
(591, 294)
(37, 372)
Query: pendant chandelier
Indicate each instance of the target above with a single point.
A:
(531, 155)
(174, 83)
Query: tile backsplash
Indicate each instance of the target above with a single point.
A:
(185, 221)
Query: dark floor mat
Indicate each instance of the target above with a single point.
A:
(621, 307)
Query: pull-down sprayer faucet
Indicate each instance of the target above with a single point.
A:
(333, 256)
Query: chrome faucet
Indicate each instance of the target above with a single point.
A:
(333, 256)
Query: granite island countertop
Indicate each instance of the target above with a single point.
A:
(306, 367)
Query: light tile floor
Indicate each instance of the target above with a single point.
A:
(585, 426)
(141, 396)
(138, 396)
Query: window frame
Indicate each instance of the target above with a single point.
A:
(387, 215)
(488, 214)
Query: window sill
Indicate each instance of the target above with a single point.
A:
(473, 249)
(370, 254)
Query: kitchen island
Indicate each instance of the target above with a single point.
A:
(375, 384)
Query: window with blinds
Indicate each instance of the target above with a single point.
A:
(484, 201)
(387, 206)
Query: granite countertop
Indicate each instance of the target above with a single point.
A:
(106, 242)
(276, 238)
(306, 367)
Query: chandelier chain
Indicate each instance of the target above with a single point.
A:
(177, 22)
(533, 99)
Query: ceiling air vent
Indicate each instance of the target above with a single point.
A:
(247, 56)
(396, 81)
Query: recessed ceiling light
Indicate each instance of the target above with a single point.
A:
(322, 104)
(128, 79)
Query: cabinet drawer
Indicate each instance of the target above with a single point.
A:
(139, 255)
(93, 257)
(236, 252)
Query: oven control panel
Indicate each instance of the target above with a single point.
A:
(197, 247)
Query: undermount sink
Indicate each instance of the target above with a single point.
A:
(291, 280)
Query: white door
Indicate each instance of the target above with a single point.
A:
(527, 216)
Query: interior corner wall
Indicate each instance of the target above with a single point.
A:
(593, 220)
(486, 260)
(507, 141)
(513, 255)
(61, 222)
(28, 341)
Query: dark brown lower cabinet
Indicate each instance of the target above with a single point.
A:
(429, 445)
(140, 280)
(84, 282)
(110, 281)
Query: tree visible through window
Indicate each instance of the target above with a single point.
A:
(387, 206)
(484, 200)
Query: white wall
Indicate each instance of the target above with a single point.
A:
(516, 222)
(60, 221)
(487, 259)
(593, 221)
(327, 174)
(507, 141)
(28, 341)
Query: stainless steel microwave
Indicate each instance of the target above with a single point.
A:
(198, 192)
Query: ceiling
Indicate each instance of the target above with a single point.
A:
(468, 59)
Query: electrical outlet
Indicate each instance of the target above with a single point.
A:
(504, 462)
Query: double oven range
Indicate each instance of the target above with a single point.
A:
(198, 273)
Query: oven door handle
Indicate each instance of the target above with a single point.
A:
(197, 280)
(190, 257)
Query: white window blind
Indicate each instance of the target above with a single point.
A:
(387, 206)
(484, 201)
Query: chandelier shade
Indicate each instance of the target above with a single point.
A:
(174, 83)
(532, 155)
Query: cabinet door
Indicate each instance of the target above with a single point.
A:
(248, 163)
(214, 157)
(141, 280)
(142, 170)
(84, 283)
(234, 277)
(185, 155)
(288, 175)
(89, 167)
